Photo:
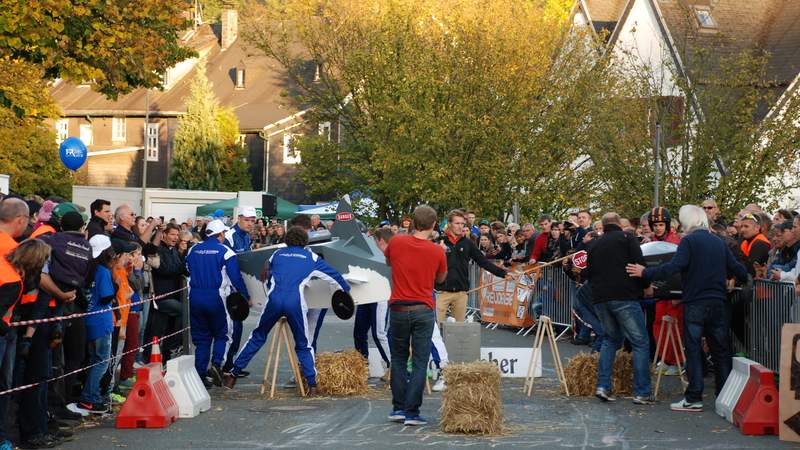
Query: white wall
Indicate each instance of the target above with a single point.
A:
(4, 183)
(640, 37)
(180, 204)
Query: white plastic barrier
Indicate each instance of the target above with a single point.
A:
(187, 387)
(734, 385)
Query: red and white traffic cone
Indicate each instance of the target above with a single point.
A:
(155, 352)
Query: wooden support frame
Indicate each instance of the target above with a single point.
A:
(545, 327)
(280, 339)
(671, 337)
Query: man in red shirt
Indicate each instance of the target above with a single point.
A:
(416, 264)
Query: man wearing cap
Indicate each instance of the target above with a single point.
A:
(238, 238)
(213, 272)
(755, 246)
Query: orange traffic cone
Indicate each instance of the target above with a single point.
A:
(155, 352)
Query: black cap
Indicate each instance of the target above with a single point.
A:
(72, 221)
(783, 226)
(121, 246)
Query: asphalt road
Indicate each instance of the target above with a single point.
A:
(242, 419)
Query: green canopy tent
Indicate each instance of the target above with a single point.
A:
(286, 209)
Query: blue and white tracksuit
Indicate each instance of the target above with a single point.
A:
(373, 316)
(438, 350)
(240, 241)
(213, 272)
(290, 269)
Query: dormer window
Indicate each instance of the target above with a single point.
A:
(704, 18)
(240, 76)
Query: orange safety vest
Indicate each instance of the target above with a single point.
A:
(9, 275)
(7, 244)
(42, 230)
(746, 246)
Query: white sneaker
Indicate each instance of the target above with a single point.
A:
(439, 386)
(75, 408)
(685, 406)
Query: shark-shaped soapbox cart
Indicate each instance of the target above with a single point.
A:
(348, 250)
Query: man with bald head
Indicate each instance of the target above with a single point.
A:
(616, 300)
(13, 222)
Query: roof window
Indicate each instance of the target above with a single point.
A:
(704, 18)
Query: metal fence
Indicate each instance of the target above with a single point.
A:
(757, 316)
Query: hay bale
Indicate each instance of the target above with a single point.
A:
(342, 373)
(472, 403)
(622, 375)
(581, 373)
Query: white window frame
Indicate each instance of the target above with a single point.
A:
(325, 130)
(119, 131)
(240, 78)
(62, 130)
(290, 156)
(151, 139)
(704, 18)
(87, 133)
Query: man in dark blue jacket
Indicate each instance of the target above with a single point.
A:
(214, 271)
(705, 264)
(238, 238)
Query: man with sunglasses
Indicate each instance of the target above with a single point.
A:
(712, 212)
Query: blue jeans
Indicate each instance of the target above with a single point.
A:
(707, 318)
(624, 319)
(98, 350)
(8, 351)
(586, 311)
(410, 329)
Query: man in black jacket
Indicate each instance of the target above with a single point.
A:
(616, 299)
(166, 314)
(459, 251)
(101, 220)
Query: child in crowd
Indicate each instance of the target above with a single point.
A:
(131, 336)
(98, 327)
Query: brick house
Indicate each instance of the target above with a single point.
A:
(254, 85)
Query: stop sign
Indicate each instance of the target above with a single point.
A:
(580, 259)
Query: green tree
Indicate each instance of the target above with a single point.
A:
(119, 46)
(451, 102)
(199, 149)
(724, 114)
(235, 170)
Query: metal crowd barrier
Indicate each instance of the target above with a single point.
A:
(552, 296)
(473, 300)
(772, 305)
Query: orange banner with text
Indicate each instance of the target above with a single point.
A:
(506, 303)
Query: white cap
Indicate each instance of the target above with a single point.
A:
(99, 243)
(215, 227)
(247, 211)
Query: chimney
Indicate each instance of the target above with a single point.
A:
(230, 26)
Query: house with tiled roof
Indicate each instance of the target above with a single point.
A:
(682, 33)
(255, 86)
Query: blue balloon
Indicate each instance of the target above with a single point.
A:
(73, 153)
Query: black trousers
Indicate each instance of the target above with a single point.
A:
(160, 324)
(33, 401)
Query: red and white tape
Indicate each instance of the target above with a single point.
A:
(112, 358)
(84, 314)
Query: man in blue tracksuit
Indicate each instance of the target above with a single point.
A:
(213, 270)
(238, 238)
(290, 269)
